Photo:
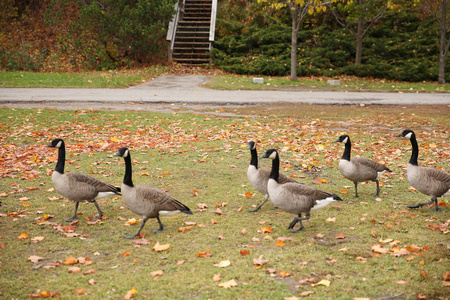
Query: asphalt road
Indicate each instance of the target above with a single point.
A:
(187, 89)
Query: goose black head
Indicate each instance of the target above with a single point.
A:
(251, 145)
(271, 153)
(407, 133)
(122, 152)
(343, 139)
(56, 143)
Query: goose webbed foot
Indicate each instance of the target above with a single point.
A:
(74, 217)
(296, 220)
(274, 207)
(131, 236)
(297, 230)
(161, 227)
(421, 204)
(70, 219)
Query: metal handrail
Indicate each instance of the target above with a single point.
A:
(171, 33)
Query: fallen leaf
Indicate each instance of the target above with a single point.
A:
(131, 222)
(34, 258)
(244, 252)
(223, 264)
(74, 269)
(280, 244)
(260, 261)
(266, 229)
(248, 195)
(180, 262)
(157, 273)
(80, 291)
(361, 259)
(228, 284)
(214, 221)
(377, 248)
(45, 294)
(284, 274)
(37, 239)
(126, 253)
(183, 229)
(243, 231)
(218, 211)
(206, 253)
(339, 236)
(130, 294)
(22, 236)
(91, 281)
(320, 235)
(159, 248)
(306, 293)
(217, 277)
(70, 261)
(281, 238)
(323, 282)
(446, 276)
(331, 220)
(91, 271)
(425, 275)
(402, 282)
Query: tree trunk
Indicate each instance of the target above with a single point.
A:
(359, 41)
(443, 49)
(294, 11)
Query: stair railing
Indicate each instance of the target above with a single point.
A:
(171, 32)
(212, 26)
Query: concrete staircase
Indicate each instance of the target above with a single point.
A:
(191, 37)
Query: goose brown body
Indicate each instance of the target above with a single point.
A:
(295, 198)
(259, 178)
(359, 169)
(147, 201)
(428, 181)
(76, 186)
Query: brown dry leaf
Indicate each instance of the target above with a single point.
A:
(37, 239)
(159, 248)
(306, 293)
(202, 206)
(284, 274)
(217, 277)
(22, 236)
(74, 269)
(361, 259)
(91, 281)
(130, 294)
(228, 284)
(70, 261)
(422, 262)
(243, 231)
(377, 248)
(281, 238)
(339, 236)
(190, 223)
(80, 291)
(35, 259)
(206, 253)
(91, 271)
(280, 244)
(214, 221)
(244, 252)
(402, 282)
(180, 262)
(400, 252)
(320, 235)
(255, 239)
(260, 261)
(131, 222)
(425, 275)
(126, 253)
(45, 294)
(266, 229)
(333, 219)
(157, 273)
(223, 264)
(248, 195)
(446, 276)
(183, 229)
(218, 211)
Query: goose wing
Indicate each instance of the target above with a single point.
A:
(309, 192)
(90, 183)
(162, 200)
(369, 163)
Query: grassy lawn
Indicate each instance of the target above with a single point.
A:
(216, 80)
(88, 79)
(202, 161)
(235, 82)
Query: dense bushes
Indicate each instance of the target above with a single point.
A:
(66, 35)
(399, 48)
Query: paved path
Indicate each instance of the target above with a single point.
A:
(187, 89)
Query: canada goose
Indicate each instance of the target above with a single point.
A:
(147, 201)
(359, 169)
(258, 178)
(429, 181)
(77, 186)
(295, 198)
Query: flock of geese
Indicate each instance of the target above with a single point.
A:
(284, 192)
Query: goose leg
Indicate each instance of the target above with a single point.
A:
(100, 214)
(132, 236)
(378, 189)
(161, 227)
(356, 189)
(74, 217)
(298, 219)
(436, 203)
(259, 206)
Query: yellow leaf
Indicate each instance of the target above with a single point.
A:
(223, 264)
(22, 236)
(130, 294)
(228, 284)
(323, 282)
(159, 248)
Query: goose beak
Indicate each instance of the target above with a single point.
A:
(117, 154)
(49, 146)
(264, 156)
(399, 134)
(336, 141)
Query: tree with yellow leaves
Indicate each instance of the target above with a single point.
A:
(298, 10)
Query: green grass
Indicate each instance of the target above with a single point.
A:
(88, 79)
(236, 82)
(203, 159)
